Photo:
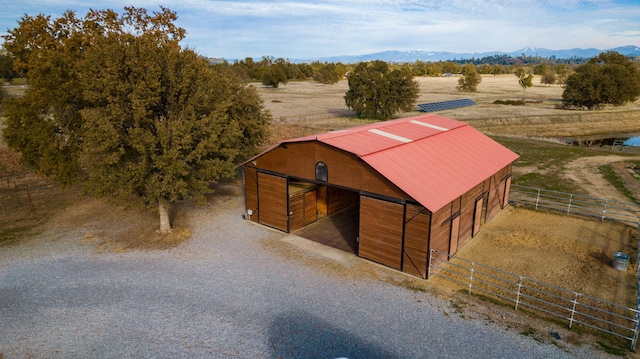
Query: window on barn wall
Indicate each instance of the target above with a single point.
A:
(322, 174)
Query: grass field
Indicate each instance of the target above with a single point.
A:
(321, 107)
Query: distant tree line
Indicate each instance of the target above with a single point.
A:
(508, 60)
(272, 72)
(275, 71)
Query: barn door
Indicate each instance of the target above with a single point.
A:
(507, 188)
(477, 216)
(251, 192)
(416, 240)
(381, 225)
(273, 201)
(496, 196)
(310, 207)
(455, 233)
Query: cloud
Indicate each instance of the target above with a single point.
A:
(310, 28)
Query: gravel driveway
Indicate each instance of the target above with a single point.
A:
(234, 290)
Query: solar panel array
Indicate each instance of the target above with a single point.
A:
(446, 105)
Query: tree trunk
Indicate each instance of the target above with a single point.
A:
(165, 224)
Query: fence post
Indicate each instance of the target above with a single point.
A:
(518, 295)
(30, 200)
(471, 277)
(573, 309)
(569, 207)
(634, 341)
(538, 199)
(604, 210)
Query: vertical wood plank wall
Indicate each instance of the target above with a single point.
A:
(273, 201)
(296, 210)
(251, 192)
(310, 205)
(467, 213)
(340, 199)
(416, 240)
(497, 191)
(381, 225)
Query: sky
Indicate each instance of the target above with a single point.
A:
(311, 29)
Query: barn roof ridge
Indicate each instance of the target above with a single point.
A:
(414, 142)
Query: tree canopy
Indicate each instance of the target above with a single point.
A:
(524, 80)
(470, 79)
(376, 92)
(328, 74)
(609, 78)
(6, 68)
(116, 104)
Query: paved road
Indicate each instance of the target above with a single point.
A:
(235, 290)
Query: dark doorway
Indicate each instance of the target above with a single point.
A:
(339, 230)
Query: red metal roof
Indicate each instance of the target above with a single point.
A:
(431, 158)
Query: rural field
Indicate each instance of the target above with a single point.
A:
(566, 251)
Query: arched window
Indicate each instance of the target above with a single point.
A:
(322, 174)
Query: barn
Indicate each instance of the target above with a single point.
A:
(407, 185)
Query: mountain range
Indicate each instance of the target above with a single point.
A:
(431, 56)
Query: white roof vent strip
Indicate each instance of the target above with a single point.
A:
(429, 125)
(390, 135)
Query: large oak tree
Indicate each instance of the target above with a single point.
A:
(376, 92)
(470, 79)
(609, 78)
(115, 103)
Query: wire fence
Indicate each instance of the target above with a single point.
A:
(546, 299)
(16, 195)
(569, 203)
(27, 201)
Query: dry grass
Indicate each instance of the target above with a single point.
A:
(309, 107)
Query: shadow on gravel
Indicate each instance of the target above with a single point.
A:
(298, 334)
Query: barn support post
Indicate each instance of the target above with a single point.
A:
(404, 225)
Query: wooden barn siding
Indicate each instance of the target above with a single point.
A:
(416, 240)
(467, 213)
(497, 191)
(302, 208)
(273, 201)
(495, 186)
(340, 199)
(440, 232)
(310, 204)
(381, 240)
(296, 211)
(251, 192)
(344, 169)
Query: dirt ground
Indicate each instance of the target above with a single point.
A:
(570, 252)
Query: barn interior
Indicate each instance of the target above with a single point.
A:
(324, 214)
